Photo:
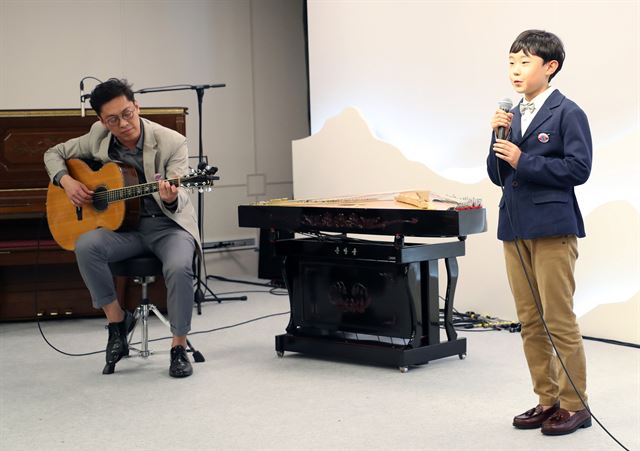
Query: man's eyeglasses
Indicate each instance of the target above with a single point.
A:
(126, 115)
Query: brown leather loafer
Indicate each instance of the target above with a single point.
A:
(533, 418)
(562, 423)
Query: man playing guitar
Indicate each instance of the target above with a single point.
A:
(167, 226)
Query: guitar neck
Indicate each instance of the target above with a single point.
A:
(133, 191)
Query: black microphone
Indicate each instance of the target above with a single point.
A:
(505, 105)
(81, 98)
(204, 166)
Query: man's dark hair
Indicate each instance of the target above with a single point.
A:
(108, 91)
(540, 43)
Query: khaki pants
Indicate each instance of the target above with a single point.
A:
(550, 263)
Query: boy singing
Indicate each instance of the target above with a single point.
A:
(548, 152)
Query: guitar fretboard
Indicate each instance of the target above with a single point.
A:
(133, 191)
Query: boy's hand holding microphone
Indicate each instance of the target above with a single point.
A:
(501, 124)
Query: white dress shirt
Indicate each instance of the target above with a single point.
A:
(538, 101)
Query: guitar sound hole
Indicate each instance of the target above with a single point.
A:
(100, 202)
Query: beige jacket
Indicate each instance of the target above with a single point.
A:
(165, 153)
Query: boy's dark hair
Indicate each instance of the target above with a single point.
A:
(540, 43)
(108, 91)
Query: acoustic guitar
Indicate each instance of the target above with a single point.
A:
(115, 203)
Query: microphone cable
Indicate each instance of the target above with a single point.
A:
(83, 96)
(37, 290)
(90, 77)
(539, 307)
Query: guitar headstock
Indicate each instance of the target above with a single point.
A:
(200, 179)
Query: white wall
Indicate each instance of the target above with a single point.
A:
(427, 76)
(256, 47)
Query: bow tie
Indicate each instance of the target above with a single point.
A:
(527, 106)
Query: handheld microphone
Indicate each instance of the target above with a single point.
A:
(81, 98)
(505, 105)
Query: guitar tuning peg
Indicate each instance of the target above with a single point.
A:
(209, 189)
(200, 190)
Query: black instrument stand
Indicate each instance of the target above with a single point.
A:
(370, 301)
(199, 296)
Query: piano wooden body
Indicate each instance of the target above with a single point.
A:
(368, 300)
(37, 277)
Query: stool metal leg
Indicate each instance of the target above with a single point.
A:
(160, 316)
(136, 316)
(141, 314)
(145, 316)
(144, 352)
(197, 356)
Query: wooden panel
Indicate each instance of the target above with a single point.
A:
(25, 238)
(57, 290)
(52, 290)
(22, 203)
(26, 135)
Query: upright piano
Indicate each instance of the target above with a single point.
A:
(36, 276)
(369, 300)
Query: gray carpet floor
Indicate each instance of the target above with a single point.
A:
(245, 397)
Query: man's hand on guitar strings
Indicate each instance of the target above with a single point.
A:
(168, 192)
(76, 191)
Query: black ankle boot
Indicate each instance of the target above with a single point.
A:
(117, 346)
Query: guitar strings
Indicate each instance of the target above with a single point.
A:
(139, 190)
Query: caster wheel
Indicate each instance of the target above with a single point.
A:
(280, 354)
(462, 356)
(403, 369)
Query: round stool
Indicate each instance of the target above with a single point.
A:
(146, 265)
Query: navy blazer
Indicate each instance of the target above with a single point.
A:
(556, 156)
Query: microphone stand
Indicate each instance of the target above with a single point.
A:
(199, 296)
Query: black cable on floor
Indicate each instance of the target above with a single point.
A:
(161, 338)
(35, 295)
(464, 322)
(246, 282)
(227, 327)
(83, 354)
(274, 291)
(612, 342)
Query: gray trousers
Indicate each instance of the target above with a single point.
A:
(173, 245)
